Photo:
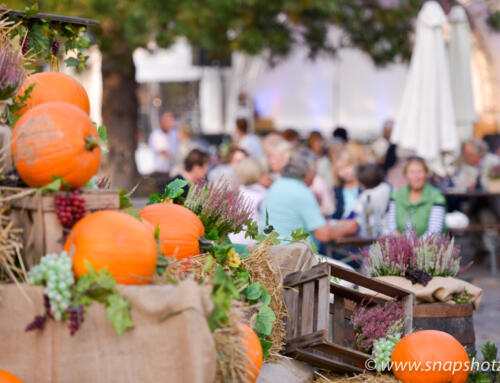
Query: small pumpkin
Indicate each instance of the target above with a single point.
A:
(55, 139)
(430, 356)
(251, 343)
(7, 377)
(54, 86)
(115, 240)
(180, 229)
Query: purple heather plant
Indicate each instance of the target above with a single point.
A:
(436, 255)
(219, 207)
(372, 323)
(12, 72)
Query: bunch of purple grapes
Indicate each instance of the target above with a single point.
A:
(70, 208)
(75, 318)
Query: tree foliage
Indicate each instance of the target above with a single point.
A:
(381, 28)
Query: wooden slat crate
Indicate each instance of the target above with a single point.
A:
(318, 331)
(42, 231)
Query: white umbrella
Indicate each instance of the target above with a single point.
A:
(426, 120)
(460, 72)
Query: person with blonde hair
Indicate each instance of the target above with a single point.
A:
(254, 180)
(346, 188)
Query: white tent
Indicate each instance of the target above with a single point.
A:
(426, 119)
(460, 71)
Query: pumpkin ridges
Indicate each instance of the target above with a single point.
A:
(117, 240)
(432, 346)
(180, 228)
(54, 86)
(251, 343)
(50, 140)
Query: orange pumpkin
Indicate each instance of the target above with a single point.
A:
(115, 240)
(54, 86)
(180, 228)
(430, 356)
(55, 139)
(7, 377)
(251, 343)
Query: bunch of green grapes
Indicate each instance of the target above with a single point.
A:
(55, 273)
(382, 350)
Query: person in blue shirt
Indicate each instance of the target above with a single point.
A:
(290, 205)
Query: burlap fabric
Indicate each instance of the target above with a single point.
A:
(291, 258)
(179, 349)
(439, 289)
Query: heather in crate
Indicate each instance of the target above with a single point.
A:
(372, 323)
(219, 207)
(413, 257)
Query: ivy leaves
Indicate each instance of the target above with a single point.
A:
(173, 193)
(101, 287)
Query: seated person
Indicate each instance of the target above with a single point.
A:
(195, 168)
(290, 204)
(417, 206)
(346, 185)
(373, 201)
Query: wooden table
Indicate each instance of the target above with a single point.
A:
(489, 230)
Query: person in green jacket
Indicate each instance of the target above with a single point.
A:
(418, 206)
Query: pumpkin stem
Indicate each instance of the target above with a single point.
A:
(91, 143)
(54, 64)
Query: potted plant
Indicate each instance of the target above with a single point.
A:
(12, 72)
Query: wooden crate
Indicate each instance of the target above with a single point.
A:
(42, 231)
(318, 330)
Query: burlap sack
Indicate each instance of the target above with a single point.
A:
(291, 258)
(179, 349)
(439, 289)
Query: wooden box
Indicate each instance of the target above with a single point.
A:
(42, 231)
(318, 331)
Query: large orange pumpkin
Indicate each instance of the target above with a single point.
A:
(180, 228)
(430, 356)
(115, 240)
(55, 139)
(7, 377)
(251, 343)
(53, 86)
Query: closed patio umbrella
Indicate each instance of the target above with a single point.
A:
(426, 121)
(460, 72)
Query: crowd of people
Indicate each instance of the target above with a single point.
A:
(331, 187)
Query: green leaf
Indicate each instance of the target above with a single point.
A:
(55, 185)
(30, 12)
(157, 232)
(105, 279)
(154, 198)
(83, 284)
(264, 321)
(213, 235)
(252, 229)
(265, 298)
(481, 378)
(489, 351)
(175, 188)
(72, 62)
(266, 346)
(242, 250)
(209, 261)
(299, 235)
(131, 210)
(118, 312)
(253, 292)
(103, 137)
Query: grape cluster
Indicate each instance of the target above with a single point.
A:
(76, 318)
(55, 272)
(54, 47)
(382, 350)
(70, 208)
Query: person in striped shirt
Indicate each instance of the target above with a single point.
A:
(417, 206)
